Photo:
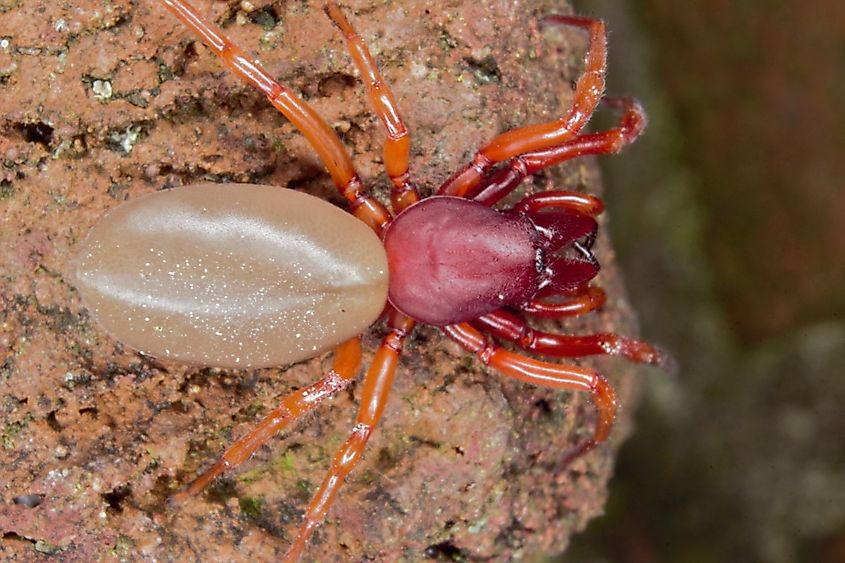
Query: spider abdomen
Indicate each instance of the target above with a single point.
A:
(452, 260)
(232, 275)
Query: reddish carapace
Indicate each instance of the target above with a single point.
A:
(454, 260)
(250, 276)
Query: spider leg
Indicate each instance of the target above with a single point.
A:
(583, 204)
(318, 133)
(508, 326)
(377, 384)
(545, 374)
(583, 300)
(502, 182)
(397, 146)
(347, 360)
(588, 92)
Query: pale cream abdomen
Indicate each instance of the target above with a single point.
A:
(232, 275)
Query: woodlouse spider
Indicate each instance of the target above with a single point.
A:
(252, 276)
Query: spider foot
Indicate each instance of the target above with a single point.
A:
(640, 352)
(666, 362)
(577, 451)
(198, 485)
(294, 552)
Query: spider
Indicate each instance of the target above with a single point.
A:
(251, 276)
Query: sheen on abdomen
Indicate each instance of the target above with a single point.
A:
(232, 275)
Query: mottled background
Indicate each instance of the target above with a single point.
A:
(728, 219)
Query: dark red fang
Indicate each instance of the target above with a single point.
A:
(452, 260)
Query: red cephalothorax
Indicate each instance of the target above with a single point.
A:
(252, 276)
(454, 260)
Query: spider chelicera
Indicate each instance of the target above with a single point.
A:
(250, 276)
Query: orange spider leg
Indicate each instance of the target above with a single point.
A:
(584, 204)
(397, 146)
(588, 92)
(347, 360)
(586, 299)
(504, 181)
(377, 384)
(310, 124)
(545, 374)
(508, 326)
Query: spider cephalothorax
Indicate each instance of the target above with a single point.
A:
(454, 260)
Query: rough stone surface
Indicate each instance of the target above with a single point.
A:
(103, 102)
